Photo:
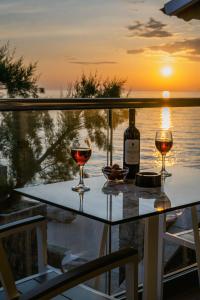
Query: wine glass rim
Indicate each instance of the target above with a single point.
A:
(81, 142)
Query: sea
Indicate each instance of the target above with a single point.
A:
(183, 122)
(185, 126)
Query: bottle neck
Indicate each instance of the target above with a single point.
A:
(131, 117)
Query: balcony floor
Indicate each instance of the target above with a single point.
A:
(190, 294)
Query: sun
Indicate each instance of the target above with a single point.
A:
(166, 71)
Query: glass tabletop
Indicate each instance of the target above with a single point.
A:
(119, 203)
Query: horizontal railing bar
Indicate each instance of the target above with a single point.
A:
(98, 103)
(94, 100)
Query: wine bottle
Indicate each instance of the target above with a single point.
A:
(131, 153)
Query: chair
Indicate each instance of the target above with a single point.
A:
(48, 283)
(189, 238)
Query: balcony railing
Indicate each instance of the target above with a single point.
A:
(98, 103)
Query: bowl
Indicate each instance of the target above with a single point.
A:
(115, 173)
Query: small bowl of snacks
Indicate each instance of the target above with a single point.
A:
(115, 173)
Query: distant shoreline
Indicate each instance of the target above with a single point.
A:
(137, 94)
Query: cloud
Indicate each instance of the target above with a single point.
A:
(92, 62)
(189, 45)
(134, 1)
(75, 60)
(137, 26)
(187, 48)
(152, 28)
(135, 51)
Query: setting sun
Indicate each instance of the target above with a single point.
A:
(166, 71)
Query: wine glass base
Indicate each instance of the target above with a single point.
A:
(165, 173)
(80, 188)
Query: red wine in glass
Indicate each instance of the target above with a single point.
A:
(81, 155)
(81, 151)
(164, 142)
(163, 146)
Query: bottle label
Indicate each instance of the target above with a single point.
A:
(132, 152)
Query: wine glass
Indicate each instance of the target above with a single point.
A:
(164, 142)
(81, 151)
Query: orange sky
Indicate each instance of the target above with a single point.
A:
(127, 39)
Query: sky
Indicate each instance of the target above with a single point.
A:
(127, 39)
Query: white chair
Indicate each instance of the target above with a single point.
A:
(48, 283)
(189, 238)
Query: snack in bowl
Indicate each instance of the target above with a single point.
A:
(114, 173)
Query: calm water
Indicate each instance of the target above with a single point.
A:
(35, 146)
(185, 124)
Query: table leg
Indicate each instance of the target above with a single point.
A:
(105, 248)
(195, 226)
(153, 257)
(102, 251)
(109, 251)
(161, 230)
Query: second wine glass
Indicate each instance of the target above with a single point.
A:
(164, 142)
(81, 151)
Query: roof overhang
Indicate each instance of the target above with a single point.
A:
(185, 9)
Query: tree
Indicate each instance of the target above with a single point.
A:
(18, 79)
(95, 121)
(92, 86)
(47, 155)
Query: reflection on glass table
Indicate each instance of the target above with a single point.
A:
(123, 203)
(130, 202)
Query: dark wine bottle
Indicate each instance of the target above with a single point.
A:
(131, 153)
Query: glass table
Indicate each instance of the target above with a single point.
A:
(120, 203)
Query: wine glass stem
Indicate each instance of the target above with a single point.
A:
(81, 201)
(81, 176)
(163, 163)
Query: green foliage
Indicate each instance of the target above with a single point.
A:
(112, 88)
(36, 145)
(31, 155)
(18, 79)
(95, 121)
(92, 86)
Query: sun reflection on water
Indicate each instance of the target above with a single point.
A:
(166, 94)
(166, 118)
(166, 123)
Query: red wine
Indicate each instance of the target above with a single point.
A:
(81, 155)
(131, 153)
(163, 146)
